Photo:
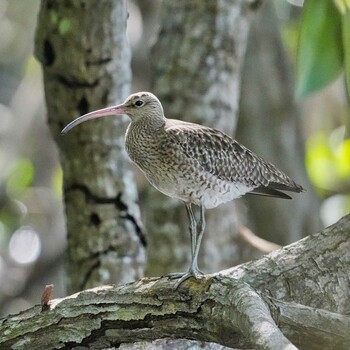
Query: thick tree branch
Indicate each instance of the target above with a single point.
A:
(209, 310)
(297, 318)
(240, 307)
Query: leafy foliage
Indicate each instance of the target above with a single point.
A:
(328, 161)
(324, 45)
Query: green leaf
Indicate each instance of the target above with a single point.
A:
(346, 45)
(320, 52)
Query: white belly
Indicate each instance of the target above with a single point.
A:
(211, 198)
(203, 189)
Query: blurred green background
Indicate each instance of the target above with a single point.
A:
(32, 229)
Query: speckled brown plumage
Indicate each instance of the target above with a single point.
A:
(194, 163)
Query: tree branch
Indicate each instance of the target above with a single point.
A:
(298, 318)
(252, 305)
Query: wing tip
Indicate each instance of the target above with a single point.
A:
(276, 190)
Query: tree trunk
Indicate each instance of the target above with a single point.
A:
(303, 288)
(196, 70)
(269, 124)
(86, 63)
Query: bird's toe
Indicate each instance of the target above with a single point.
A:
(176, 275)
(183, 276)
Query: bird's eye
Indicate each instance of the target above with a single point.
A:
(139, 103)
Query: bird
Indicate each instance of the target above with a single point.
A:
(196, 164)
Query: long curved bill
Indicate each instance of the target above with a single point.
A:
(119, 109)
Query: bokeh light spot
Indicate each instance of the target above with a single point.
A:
(25, 245)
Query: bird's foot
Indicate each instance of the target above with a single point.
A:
(183, 276)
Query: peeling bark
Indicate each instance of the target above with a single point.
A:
(298, 295)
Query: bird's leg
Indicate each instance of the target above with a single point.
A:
(193, 232)
(199, 235)
(192, 227)
(196, 239)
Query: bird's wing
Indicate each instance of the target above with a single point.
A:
(220, 155)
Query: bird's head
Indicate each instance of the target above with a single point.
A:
(137, 106)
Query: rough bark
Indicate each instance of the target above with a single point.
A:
(269, 124)
(82, 72)
(196, 74)
(299, 294)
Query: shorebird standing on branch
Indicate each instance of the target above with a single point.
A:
(191, 162)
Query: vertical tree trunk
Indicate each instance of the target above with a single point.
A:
(269, 125)
(196, 71)
(86, 63)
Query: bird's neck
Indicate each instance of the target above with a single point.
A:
(143, 131)
(142, 138)
(148, 124)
